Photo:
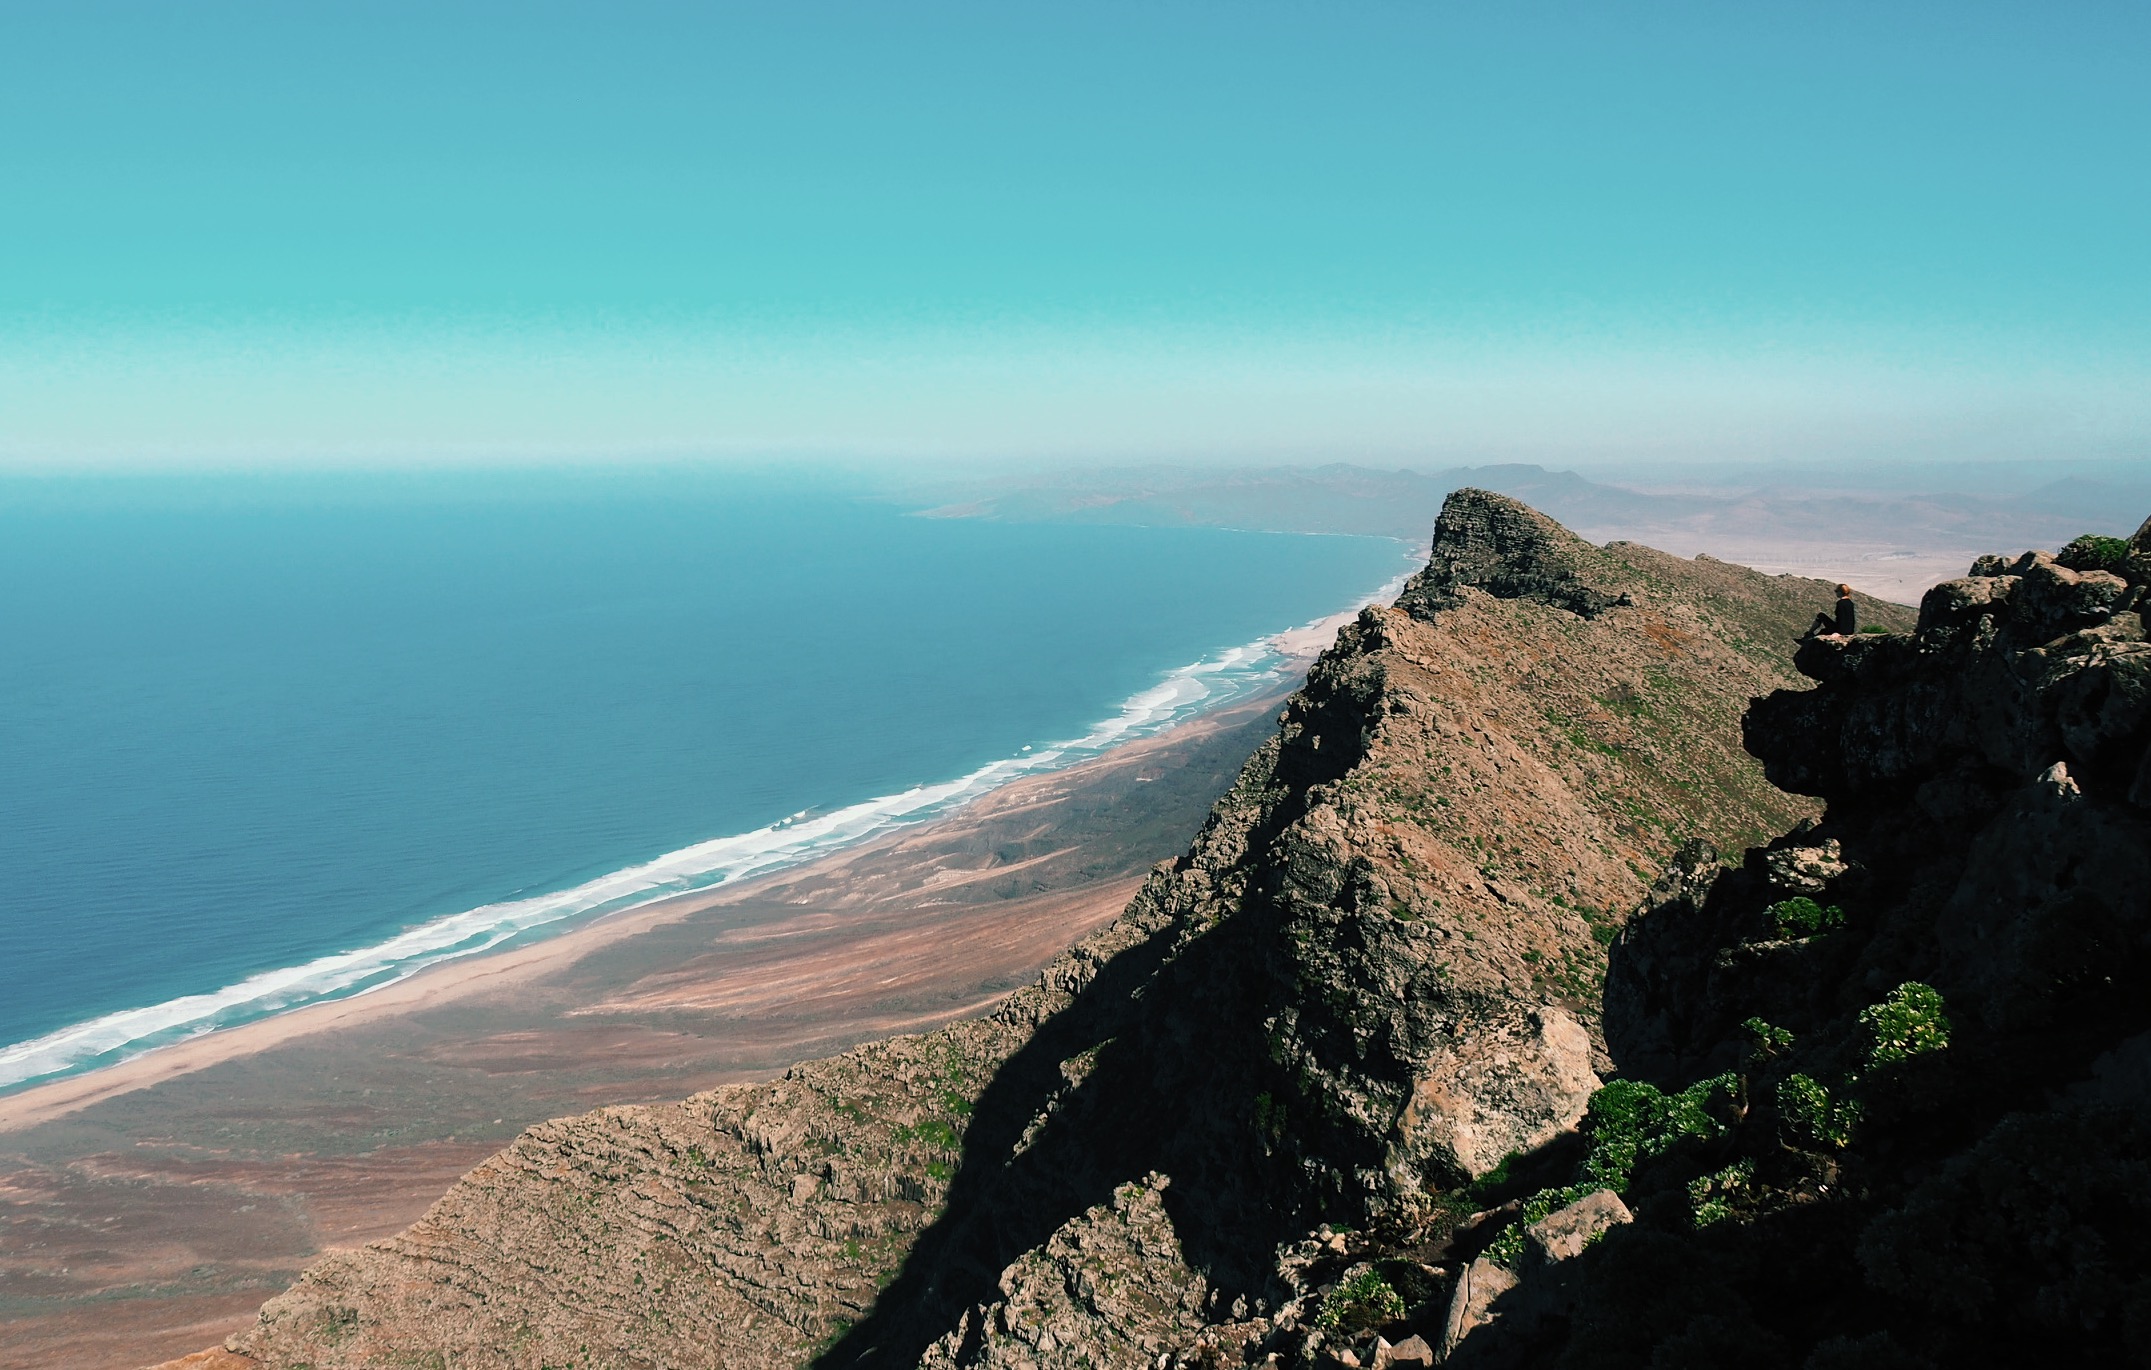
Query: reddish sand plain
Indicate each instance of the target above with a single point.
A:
(147, 1210)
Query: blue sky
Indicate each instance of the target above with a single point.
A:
(319, 233)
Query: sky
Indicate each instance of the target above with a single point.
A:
(320, 234)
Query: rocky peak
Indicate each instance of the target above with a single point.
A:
(1509, 550)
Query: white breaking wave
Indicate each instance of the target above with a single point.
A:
(1234, 674)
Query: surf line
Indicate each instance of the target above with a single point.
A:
(1213, 682)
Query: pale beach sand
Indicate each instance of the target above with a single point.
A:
(147, 1208)
(502, 970)
(431, 988)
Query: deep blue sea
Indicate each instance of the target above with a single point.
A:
(269, 740)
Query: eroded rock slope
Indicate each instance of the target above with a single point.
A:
(1887, 1079)
(1375, 975)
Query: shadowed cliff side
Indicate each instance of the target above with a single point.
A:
(1374, 976)
(1889, 1076)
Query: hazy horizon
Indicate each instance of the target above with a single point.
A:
(245, 235)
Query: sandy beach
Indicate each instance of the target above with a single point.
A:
(501, 971)
(146, 1209)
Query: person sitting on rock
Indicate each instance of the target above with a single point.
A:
(1845, 624)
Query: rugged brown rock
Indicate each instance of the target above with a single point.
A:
(1374, 976)
(1889, 1076)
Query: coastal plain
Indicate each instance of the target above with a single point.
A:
(146, 1210)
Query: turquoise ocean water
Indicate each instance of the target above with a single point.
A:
(265, 742)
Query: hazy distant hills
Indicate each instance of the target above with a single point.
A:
(1341, 498)
(1335, 498)
(1893, 542)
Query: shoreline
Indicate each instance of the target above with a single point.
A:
(436, 984)
(52, 1093)
(153, 1205)
(443, 982)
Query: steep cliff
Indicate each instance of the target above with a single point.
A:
(1239, 1121)
(1887, 1080)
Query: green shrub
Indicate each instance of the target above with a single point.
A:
(1812, 1114)
(1910, 1022)
(1710, 1196)
(1362, 1300)
(1801, 916)
(1764, 1041)
(1630, 1122)
(1507, 1247)
(2092, 552)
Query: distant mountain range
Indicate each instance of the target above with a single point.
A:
(1341, 498)
(1865, 528)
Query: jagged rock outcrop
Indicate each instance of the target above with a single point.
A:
(1887, 1094)
(1510, 551)
(1373, 977)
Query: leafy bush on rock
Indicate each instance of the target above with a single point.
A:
(1803, 917)
(1362, 1300)
(1630, 1122)
(1764, 1041)
(1812, 1114)
(2091, 552)
(1910, 1022)
(1710, 1197)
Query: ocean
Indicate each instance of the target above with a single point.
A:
(265, 741)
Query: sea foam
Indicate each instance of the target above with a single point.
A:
(1224, 678)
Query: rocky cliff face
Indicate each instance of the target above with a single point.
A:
(1887, 1094)
(1241, 1121)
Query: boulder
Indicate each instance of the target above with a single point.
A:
(1472, 1306)
(1412, 1353)
(1565, 1233)
(2051, 599)
(1806, 870)
(1512, 1084)
(1500, 1319)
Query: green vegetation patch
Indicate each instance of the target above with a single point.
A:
(1630, 1122)
(1815, 1115)
(1910, 1022)
(2092, 552)
(1711, 1197)
(1507, 1248)
(1803, 917)
(1361, 1301)
(1765, 1041)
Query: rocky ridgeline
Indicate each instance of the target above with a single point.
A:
(1253, 1118)
(1886, 1082)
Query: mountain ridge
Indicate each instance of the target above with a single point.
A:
(1373, 978)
